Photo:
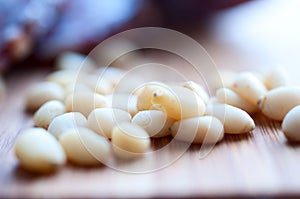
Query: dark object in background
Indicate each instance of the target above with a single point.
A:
(42, 29)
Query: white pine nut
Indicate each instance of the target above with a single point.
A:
(179, 103)
(76, 87)
(205, 129)
(145, 95)
(279, 101)
(197, 89)
(155, 122)
(47, 112)
(39, 93)
(99, 84)
(126, 102)
(84, 147)
(102, 120)
(129, 141)
(291, 124)
(65, 77)
(235, 120)
(228, 96)
(248, 86)
(65, 121)
(114, 75)
(38, 151)
(85, 102)
(75, 61)
(275, 78)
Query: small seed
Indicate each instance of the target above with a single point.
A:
(47, 112)
(291, 124)
(76, 87)
(155, 122)
(84, 147)
(275, 78)
(65, 77)
(145, 95)
(85, 102)
(128, 83)
(126, 102)
(65, 121)
(235, 120)
(197, 89)
(129, 141)
(40, 93)
(179, 103)
(205, 129)
(114, 75)
(75, 61)
(102, 120)
(228, 96)
(248, 86)
(279, 101)
(99, 84)
(38, 151)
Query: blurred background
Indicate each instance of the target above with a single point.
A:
(238, 34)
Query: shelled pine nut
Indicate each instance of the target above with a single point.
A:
(85, 147)
(38, 151)
(205, 129)
(102, 120)
(47, 112)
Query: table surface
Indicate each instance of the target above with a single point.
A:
(259, 163)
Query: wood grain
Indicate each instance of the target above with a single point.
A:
(260, 163)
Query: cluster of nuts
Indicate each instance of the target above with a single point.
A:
(84, 119)
(271, 94)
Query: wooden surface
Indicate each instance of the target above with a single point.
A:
(260, 163)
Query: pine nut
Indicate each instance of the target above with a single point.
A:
(145, 95)
(279, 101)
(84, 147)
(129, 141)
(85, 102)
(47, 112)
(155, 122)
(75, 61)
(228, 96)
(65, 121)
(38, 151)
(197, 89)
(235, 120)
(205, 129)
(65, 77)
(179, 103)
(102, 120)
(99, 84)
(291, 125)
(40, 93)
(249, 87)
(275, 78)
(126, 102)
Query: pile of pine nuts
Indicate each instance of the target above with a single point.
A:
(83, 120)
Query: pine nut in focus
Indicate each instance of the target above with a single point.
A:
(38, 151)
